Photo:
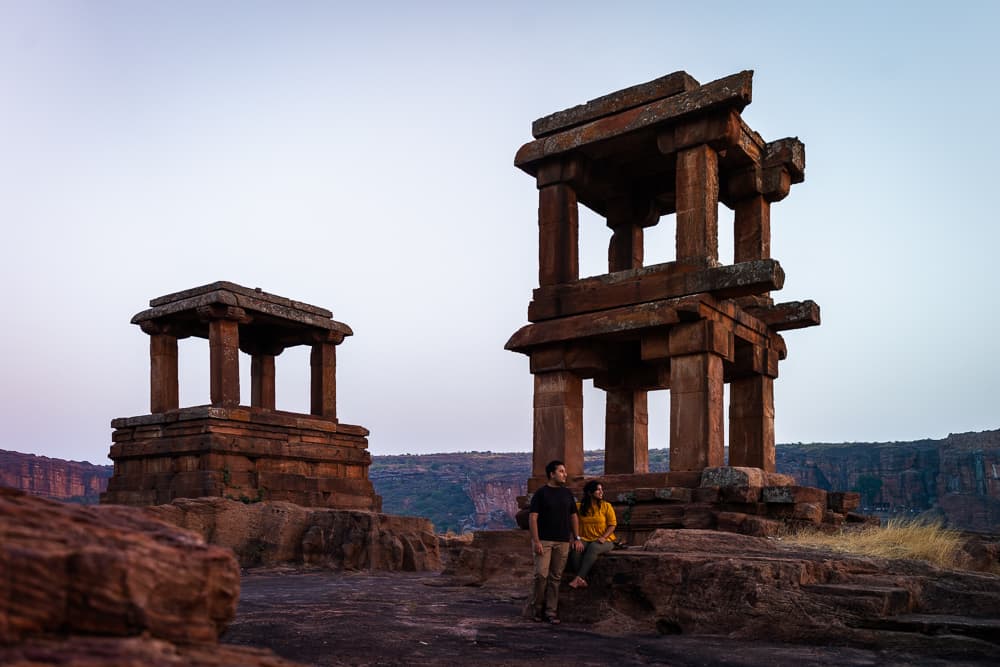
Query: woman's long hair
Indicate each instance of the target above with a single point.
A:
(590, 504)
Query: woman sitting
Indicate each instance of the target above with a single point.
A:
(597, 530)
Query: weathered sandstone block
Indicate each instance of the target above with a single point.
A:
(268, 533)
(843, 501)
(733, 476)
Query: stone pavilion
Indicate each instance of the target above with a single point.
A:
(245, 452)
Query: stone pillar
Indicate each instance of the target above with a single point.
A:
(626, 420)
(626, 432)
(163, 384)
(751, 399)
(262, 381)
(558, 224)
(323, 393)
(752, 227)
(751, 422)
(625, 249)
(697, 426)
(224, 362)
(698, 205)
(558, 427)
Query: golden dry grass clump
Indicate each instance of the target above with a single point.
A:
(916, 539)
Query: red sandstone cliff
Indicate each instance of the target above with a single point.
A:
(957, 478)
(53, 478)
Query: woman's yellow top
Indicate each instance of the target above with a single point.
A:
(593, 525)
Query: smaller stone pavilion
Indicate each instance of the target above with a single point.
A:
(247, 453)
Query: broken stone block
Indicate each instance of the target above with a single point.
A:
(808, 512)
(843, 501)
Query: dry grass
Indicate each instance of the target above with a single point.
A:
(916, 539)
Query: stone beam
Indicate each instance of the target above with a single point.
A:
(603, 323)
(787, 316)
(661, 281)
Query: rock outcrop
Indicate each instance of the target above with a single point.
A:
(112, 585)
(706, 582)
(273, 533)
(53, 478)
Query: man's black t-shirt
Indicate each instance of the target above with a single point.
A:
(554, 505)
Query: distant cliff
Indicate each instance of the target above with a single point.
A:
(956, 479)
(75, 481)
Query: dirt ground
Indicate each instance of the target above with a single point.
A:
(323, 617)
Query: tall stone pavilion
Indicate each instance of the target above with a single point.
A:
(226, 449)
(670, 147)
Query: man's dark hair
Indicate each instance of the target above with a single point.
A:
(551, 467)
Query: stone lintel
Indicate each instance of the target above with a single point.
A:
(732, 91)
(585, 358)
(612, 103)
(788, 315)
(647, 377)
(651, 283)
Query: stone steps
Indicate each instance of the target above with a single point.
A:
(882, 600)
(987, 629)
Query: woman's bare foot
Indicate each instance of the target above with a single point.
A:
(578, 583)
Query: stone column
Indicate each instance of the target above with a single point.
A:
(163, 384)
(224, 362)
(697, 436)
(558, 423)
(626, 420)
(558, 224)
(751, 422)
(752, 227)
(626, 432)
(262, 381)
(323, 390)
(698, 205)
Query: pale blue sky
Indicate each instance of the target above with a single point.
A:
(359, 157)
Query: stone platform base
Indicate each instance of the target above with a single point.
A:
(243, 454)
(750, 501)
